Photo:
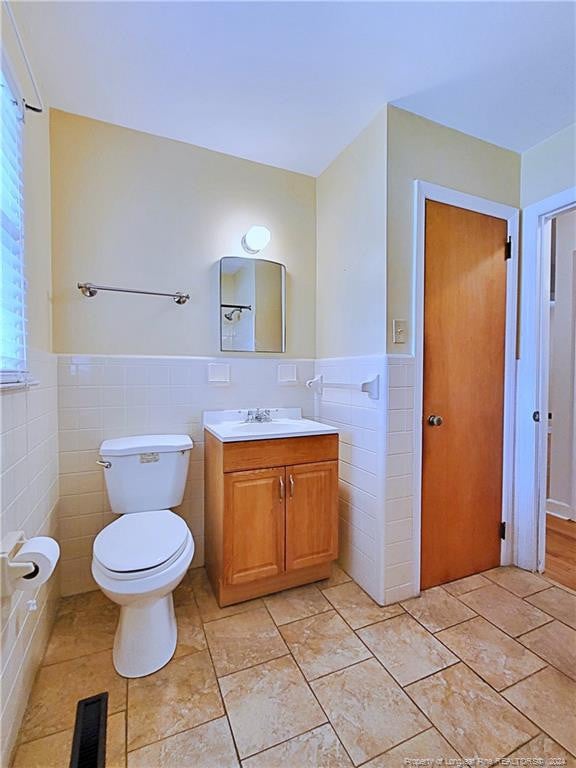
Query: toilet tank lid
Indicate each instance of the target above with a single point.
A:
(131, 446)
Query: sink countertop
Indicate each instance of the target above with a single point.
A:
(231, 426)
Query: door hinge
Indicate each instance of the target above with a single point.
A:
(508, 249)
(503, 530)
(536, 416)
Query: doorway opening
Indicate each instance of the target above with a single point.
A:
(560, 444)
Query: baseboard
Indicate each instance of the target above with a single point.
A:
(559, 509)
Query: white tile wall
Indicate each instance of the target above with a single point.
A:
(102, 397)
(377, 525)
(400, 552)
(362, 424)
(29, 487)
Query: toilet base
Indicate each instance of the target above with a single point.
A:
(146, 636)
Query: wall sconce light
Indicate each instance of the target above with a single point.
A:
(256, 239)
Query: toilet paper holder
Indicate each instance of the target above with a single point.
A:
(10, 571)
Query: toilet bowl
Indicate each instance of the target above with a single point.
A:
(140, 558)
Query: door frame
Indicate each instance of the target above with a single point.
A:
(423, 191)
(532, 378)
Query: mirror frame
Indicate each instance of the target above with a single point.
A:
(283, 299)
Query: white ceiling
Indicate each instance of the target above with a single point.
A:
(291, 84)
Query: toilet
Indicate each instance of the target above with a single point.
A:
(140, 558)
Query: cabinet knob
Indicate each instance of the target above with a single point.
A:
(282, 491)
(291, 485)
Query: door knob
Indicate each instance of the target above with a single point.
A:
(435, 421)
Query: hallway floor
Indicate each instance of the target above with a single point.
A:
(321, 676)
(561, 550)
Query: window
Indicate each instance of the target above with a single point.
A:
(12, 281)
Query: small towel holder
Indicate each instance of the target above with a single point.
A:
(371, 387)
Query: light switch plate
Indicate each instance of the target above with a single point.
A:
(399, 331)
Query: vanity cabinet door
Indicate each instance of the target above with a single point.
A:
(311, 514)
(254, 525)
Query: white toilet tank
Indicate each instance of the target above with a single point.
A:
(146, 472)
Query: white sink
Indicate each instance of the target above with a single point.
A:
(286, 422)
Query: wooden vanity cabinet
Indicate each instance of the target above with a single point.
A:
(271, 514)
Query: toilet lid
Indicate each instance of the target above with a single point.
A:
(140, 541)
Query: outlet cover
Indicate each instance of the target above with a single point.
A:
(219, 373)
(287, 373)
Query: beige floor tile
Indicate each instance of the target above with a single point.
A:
(338, 576)
(209, 608)
(57, 689)
(86, 601)
(78, 632)
(437, 610)
(558, 603)
(319, 748)
(181, 695)
(207, 746)
(244, 640)
(521, 583)
(491, 653)
(556, 643)
(322, 644)
(428, 746)
(184, 592)
(475, 719)
(269, 704)
(54, 751)
(542, 748)
(548, 698)
(294, 604)
(467, 584)
(368, 710)
(510, 613)
(190, 630)
(406, 649)
(358, 608)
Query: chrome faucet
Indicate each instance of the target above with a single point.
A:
(258, 415)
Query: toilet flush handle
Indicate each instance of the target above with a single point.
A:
(105, 464)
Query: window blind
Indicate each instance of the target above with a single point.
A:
(12, 280)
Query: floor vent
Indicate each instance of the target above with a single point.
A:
(89, 743)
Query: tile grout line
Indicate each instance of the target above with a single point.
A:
(499, 693)
(400, 743)
(514, 637)
(288, 654)
(336, 612)
(222, 699)
(328, 721)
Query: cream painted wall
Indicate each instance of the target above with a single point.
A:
(421, 149)
(135, 210)
(549, 167)
(351, 251)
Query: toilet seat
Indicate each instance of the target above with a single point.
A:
(141, 544)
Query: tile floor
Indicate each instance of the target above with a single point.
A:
(322, 677)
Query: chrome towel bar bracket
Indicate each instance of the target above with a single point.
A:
(90, 289)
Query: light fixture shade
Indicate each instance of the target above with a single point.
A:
(256, 239)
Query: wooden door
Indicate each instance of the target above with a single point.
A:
(311, 514)
(253, 525)
(464, 341)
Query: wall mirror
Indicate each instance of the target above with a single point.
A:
(252, 305)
